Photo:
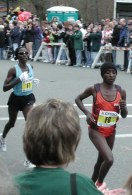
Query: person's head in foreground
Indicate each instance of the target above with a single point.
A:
(108, 72)
(52, 133)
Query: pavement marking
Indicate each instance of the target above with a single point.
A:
(123, 135)
(92, 104)
(7, 118)
(117, 136)
(22, 118)
(84, 116)
(5, 106)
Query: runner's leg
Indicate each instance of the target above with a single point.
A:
(97, 168)
(104, 147)
(26, 110)
(13, 112)
(108, 158)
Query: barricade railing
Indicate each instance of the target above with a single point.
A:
(43, 45)
(63, 47)
(102, 49)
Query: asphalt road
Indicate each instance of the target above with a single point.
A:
(59, 81)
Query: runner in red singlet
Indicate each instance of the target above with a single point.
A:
(109, 100)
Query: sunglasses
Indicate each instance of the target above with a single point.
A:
(22, 53)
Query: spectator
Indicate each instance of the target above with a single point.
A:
(6, 29)
(123, 31)
(106, 33)
(51, 136)
(88, 48)
(59, 35)
(54, 21)
(56, 47)
(29, 39)
(95, 38)
(108, 50)
(48, 49)
(2, 42)
(70, 45)
(129, 68)
(37, 36)
(83, 29)
(15, 37)
(78, 44)
(129, 43)
(115, 38)
(123, 41)
(129, 32)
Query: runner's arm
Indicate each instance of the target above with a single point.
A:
(10, 80)
(79, 101)
(123, 106)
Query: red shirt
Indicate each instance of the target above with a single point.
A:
(101, 104)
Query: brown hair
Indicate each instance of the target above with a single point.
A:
(52, 133)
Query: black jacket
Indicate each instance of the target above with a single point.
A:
(2, 39)
(115, 35)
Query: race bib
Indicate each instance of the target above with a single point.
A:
(27, 86)
(107, 118)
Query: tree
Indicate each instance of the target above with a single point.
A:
(90, 10)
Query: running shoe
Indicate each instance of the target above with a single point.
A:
(46, 61)
(76, 65)
(12, 59)
(28, 164)
(2, 143)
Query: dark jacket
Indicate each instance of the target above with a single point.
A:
(78, 42)
(2, 39)
(38, 33)
(123, 36)
(128, 37)
(95, 39)
(59, 36)
(115, 35)
(69, 41)
(15, 35)
(29, 35)
(88, 41)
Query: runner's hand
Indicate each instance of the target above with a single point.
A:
(24, 76)
(122, 104)
(36, 82)
(90, 119)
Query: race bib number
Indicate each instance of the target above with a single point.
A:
(27, 86)
(107, 118)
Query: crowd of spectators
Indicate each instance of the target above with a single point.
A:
(83, 40)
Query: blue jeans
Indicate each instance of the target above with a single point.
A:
(114, 56)
(1, 54)
(37, 43)
(78, 57)
(63, 55)
(93, 55)
(56, 50)
(88, 57)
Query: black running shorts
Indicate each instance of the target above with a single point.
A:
(20, 102)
